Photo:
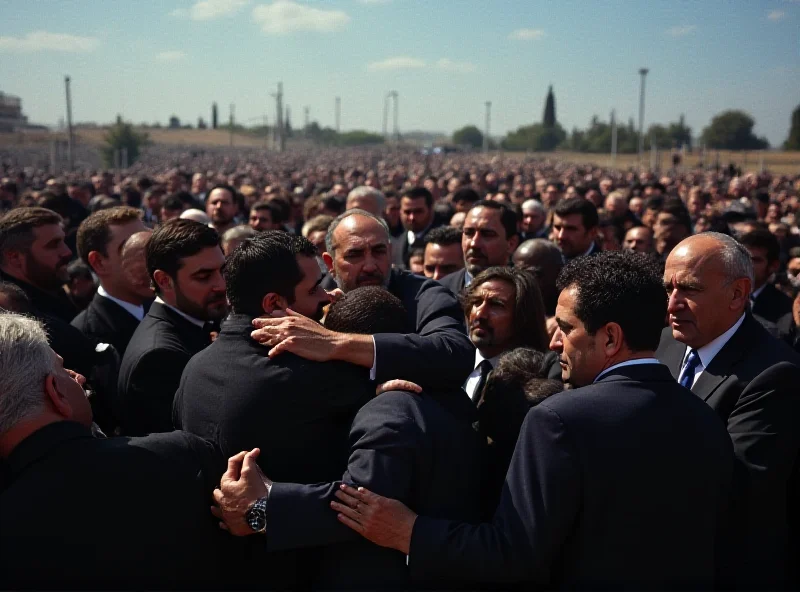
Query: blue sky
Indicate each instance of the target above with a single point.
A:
(149, 59)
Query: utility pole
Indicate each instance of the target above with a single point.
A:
(386, 100)
(280, 133)
(305, 117)
(230, 124)
(70, 132)
(643, 73)
(486, 129)
(338, 112)
(613, 138)
(396, 131)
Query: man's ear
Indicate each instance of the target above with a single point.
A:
(742, 288)
(326, 257)
(513, 243)
(14, 258)
(162, 280)
(59, 403)
(612, 338)
(272, 302)
(97, 262)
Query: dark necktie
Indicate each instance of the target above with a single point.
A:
(484, 367)
(689, 369)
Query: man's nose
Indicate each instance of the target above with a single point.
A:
(555, 341)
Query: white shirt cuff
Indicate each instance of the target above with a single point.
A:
(373, 370)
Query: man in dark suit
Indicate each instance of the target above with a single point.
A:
(534, 221)
(766, 300)
(489, 238)
(78, 511)
(418, 218)
(297, 410)
(715, 347)
(184, 261)
(575, 223)
(545, 260)
(34, 256)
(599, 494)
(419, 448)
(117, 308)
(359, 254)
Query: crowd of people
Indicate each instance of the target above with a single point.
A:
(363, 369)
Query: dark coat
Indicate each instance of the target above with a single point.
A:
(105, 321)
(600, 494)
(151, 369)
(772, 304)
(752, 384)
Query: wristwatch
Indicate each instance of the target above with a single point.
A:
(256, 516)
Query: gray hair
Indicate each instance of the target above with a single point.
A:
(735, 257)
(25, 361)
(367, 191)
(329, 246)
(533, 204)
(240, 232)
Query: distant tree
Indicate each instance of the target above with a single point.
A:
(174, 122)
(793, 141)
(201, 124)
(536, 138)
(358, 138)
(469, 135)
(288, 124)
(122, 135)
(732, 130)
(213, 116)
(549, 118)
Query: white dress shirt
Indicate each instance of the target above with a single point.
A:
(709, 351)
(636, 362)
(475, 376)
(136, 311)
(192, 320)
(757, 293)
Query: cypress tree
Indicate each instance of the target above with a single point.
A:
(549, 119)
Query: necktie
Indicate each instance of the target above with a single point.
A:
(689, 369)
(484, 367)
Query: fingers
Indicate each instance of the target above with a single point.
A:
(234, 467)
(350, 523)
(283, 346)
(249, 465)
(349, 495)
(398, 385)
(218, 497)
(335, 294)
(347, 511)
(216, 512)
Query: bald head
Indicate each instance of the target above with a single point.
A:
(358, 250)
(134, 264)
(545, 259)
(368, 199)
(708, 278)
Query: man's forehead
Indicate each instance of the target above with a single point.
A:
(209, 258)
(48, 231)
(482, 217)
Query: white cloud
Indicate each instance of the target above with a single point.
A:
(451, 66)
(776, 15)
(45, 41)
(284, 16)
(207, 10)
(526, 34)
(170, 56)
(373, 2)
(681, 31)
(396, 63)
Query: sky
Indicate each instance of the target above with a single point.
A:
(148, 60)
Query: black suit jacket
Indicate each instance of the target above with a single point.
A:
(401, 249)
(438, 355)
(752, 384)
(419, 449)
(87, 513)
(56, 304)
(455, 281)
(600, 493)
(151, 369)
(772, 304)
(105, 321)
(298, 412)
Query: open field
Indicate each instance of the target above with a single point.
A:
(774, 160)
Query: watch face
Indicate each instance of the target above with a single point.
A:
(257, 519)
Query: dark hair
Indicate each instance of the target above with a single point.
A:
(187, 199)
(17, 298)
(172, 203)
(263, 264)
(529, 316)
(79, 269)
(226, 188)
(274, 209)
(367, 311)
(655, 202)
(94, 233)
(416, 252)
(578, 205)
(762, 239)
(674, 207)
(419, 193)
(443, 235)
(175, 240)
(131, 197)
(619, 287)
(466, 194)
(281, 210)
(16, 228)
(508, 217)
(517, 383)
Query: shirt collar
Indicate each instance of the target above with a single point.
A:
(192, 320)
(136, 311)
(467, 278)
(479, 358)
(636, 362)
(709, 351)
(757, 293)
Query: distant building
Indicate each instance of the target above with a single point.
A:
(11, 117)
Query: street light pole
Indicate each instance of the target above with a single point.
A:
(486, 131)
(70, 133)
(643, 73)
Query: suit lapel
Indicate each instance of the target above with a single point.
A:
(722, 365)
(671, 353)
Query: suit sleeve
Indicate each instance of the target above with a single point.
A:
(383, 449)
(150, 390)
(539, 504)
(763, 428)
(439, 355)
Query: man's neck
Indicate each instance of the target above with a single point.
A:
(115, 292)
(628, 356)
(22, 430)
